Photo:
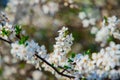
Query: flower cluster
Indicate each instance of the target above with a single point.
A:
(109, 28)
(100, 65)
(63, 45)
(27, 51)
(87, 19)
(5, 27)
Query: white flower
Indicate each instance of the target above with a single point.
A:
(45, 9)
(78, 57)
(85, 59)
(55, 59)
(8, 26)
(32, 48)
(94, 30)
(82, 15)
(92, 21)
(115, 75)
(85, 23)
(113, 21)
(50, 7)
(116, 35)
(63, 30)
(102, 36)
(43, 52)
(91, 65)
(18, 50)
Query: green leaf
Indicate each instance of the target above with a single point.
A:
(17, 29)
(70, 60)
(111, 38)
(23, 39)
(67, 67)
(106, 20)
(52, 64)
(88, 52)
(66, 33)
(5, 32)
(73, 55)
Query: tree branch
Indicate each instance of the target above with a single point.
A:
(63, 70)
(6, 40)
(60, 73)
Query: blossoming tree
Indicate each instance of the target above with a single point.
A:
(104, 64)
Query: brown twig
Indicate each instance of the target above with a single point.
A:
(6, 40)
(60, 73)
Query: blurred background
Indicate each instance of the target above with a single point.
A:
(41, 19)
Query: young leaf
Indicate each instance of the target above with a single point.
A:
(52, 64)
(67, 67)
(106, 20)
(17, 29)
(88, 52)
(70, 60)
(5, 32)
(23, 39)
(73, 55)
(66, 33)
